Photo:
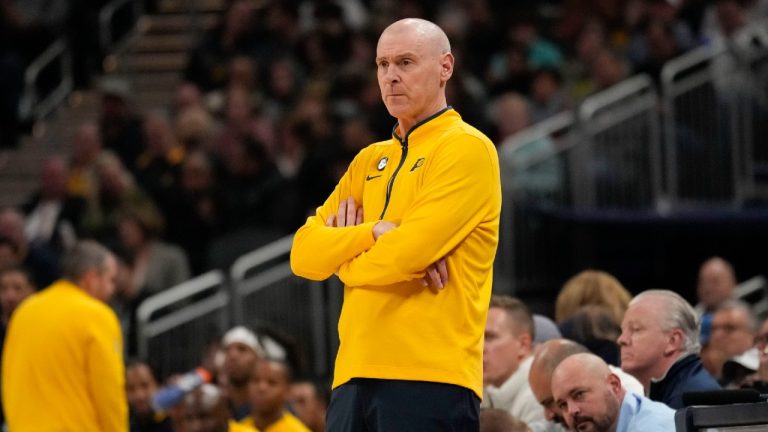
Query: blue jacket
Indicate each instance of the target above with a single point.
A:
(686, 375)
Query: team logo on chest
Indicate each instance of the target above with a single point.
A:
(382, 163)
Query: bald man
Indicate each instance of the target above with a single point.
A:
(592, 399)
(549, 355)
(409, 212)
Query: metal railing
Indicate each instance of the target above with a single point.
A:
(266, 293)
(175, 326)
(33, 104)
(110, 39)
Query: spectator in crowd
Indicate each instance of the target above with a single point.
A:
(157, 166)
(497, 420)
(117, 191)
(269, 391)
(234, 36)
(594, 327)
(507, 359)
(86, 147)
(11, 88)
(547, 358)
(716, 285)
(120, 127)
(195, 207)
(52, 215)
(140, 386)
(659, 345)
(733, 331)
(242, 351)
(547, 94)
(309, 400)
(607, 69)
(41, 261)
(592, 287)
(588, 393)
(152, 265)
(205, 410)
(80, 336)
(15, 286)
(447, 207)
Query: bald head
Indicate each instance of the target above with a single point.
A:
(423, 32)
(587, 393)
(550, 354)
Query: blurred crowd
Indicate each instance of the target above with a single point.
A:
(276, 101)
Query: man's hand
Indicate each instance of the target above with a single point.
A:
(437, 275)
(382, 227)
(347, 215)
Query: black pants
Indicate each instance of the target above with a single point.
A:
(375, 405)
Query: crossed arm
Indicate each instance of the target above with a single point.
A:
(349, 214)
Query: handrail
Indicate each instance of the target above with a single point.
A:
(106, 14)
(260, 256)
(178, 293)
(637, 84)
(673, 67)
(29, 105)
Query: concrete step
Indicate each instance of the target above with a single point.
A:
(177, 6)
(139, 63)
(151, 100)
(178, 23)
(164, 81)
(163, 43)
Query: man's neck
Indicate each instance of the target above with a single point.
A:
(263, 420)
(238, 394)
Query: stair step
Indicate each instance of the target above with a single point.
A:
(162, 42)
(156, 81)
(178, 23)
(154, 62)
(153, 100)
(170, 6)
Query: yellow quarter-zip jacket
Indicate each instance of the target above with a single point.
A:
(63, 366)
(440, 184)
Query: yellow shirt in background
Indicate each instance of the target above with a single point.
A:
(63, 365)
(287, 423)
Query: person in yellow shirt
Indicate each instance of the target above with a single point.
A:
(62, 362)
(270, 389)
(408, 213)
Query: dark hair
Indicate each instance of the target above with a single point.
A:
(22, 270)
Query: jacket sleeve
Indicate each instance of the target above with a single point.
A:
(461, 190)
(106, 373)
(317, 250)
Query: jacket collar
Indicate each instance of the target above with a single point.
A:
(427, 126)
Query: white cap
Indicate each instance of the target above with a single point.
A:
(244, 336)
(749, 359)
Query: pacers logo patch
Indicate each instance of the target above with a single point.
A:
(382, 163)
(419, 162)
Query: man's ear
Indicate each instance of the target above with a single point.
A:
(675, 342)
(446, 67)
